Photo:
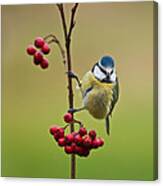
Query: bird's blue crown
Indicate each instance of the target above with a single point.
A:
(107, 62)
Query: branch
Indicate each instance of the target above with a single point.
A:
(72, 22)
(55, 40)
(61, 10)
(67, 36)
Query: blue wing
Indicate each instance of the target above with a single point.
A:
(114, 101)
(115, 96)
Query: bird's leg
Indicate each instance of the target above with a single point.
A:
(73, 110)
(72, 75)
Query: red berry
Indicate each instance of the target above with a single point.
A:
(61, 142)
(44, 63)
(68, 118)
(45, 49)
(74, 146)
(38, 57)
(31, 50)
(78, 139)
(53, 130)
(96, 143)
(69, 138)
(87, 142)
(39, 42)
(74, 133)
(81, 151)
(85, 152)
(56, 136)
(92, 134)
(60, 132)
(68, 149)
(57, 132)
(82, 131)
(101, 142)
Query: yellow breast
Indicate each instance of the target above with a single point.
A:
(96, 101)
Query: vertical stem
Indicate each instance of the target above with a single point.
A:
(71, 101)
(71, 105)
(67, 35)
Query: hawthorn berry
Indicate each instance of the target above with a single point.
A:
(85, 152)
(38, 58)
(60, 132)
(87, 142)
(45, 49)
(74, 146)
(61, 142)
(69, 138)
(78, 150)
(53, 130)
(68, 149)
(82, 131)
(78, 139)
(101, 143)
(82, 151)
(68, 118)
(92, 134)
(39, 42)
(56, 136)
(31, 50)
(96, 143)
(44, 63)
(74, 133)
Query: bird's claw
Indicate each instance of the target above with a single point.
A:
(72, 110)
(71, 74)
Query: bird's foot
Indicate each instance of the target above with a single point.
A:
(72, 110)
(71, 74)
(74, 76)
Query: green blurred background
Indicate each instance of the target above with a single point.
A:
(33, 99)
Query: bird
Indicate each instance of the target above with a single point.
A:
(100, 90)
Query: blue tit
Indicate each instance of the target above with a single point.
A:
(100, 90)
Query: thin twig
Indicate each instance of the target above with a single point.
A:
(50, 36)
(61, 10)
(78, 122)
(55, 40)
(66, 126)
(72, 22)
(60, 48)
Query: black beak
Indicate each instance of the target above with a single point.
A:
(107, 79)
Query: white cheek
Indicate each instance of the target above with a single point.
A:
(98, 74)
(113, 77)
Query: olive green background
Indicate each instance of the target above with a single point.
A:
(33, 99)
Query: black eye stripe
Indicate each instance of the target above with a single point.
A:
(101, 69)
(93, 68)
(111, 72)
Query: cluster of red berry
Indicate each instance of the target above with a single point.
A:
(43, 47)
(79, 143)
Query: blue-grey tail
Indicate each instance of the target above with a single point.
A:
(107, 123)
